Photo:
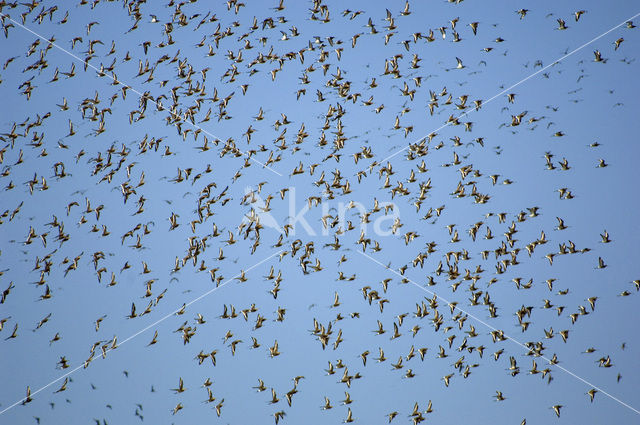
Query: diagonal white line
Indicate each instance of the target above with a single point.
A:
(86, 63)
(503, 334)
(162, 319)
(516, 84)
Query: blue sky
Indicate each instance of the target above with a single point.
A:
(321, 110)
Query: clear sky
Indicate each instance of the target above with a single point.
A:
(446, 180)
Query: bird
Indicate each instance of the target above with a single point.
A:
(279, 415)
(598, 57)
(180, 388)
(349, 417)
(447, 379)
(273, 351)
(260, 386)
(327, 404)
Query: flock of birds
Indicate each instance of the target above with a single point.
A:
(89, 194)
